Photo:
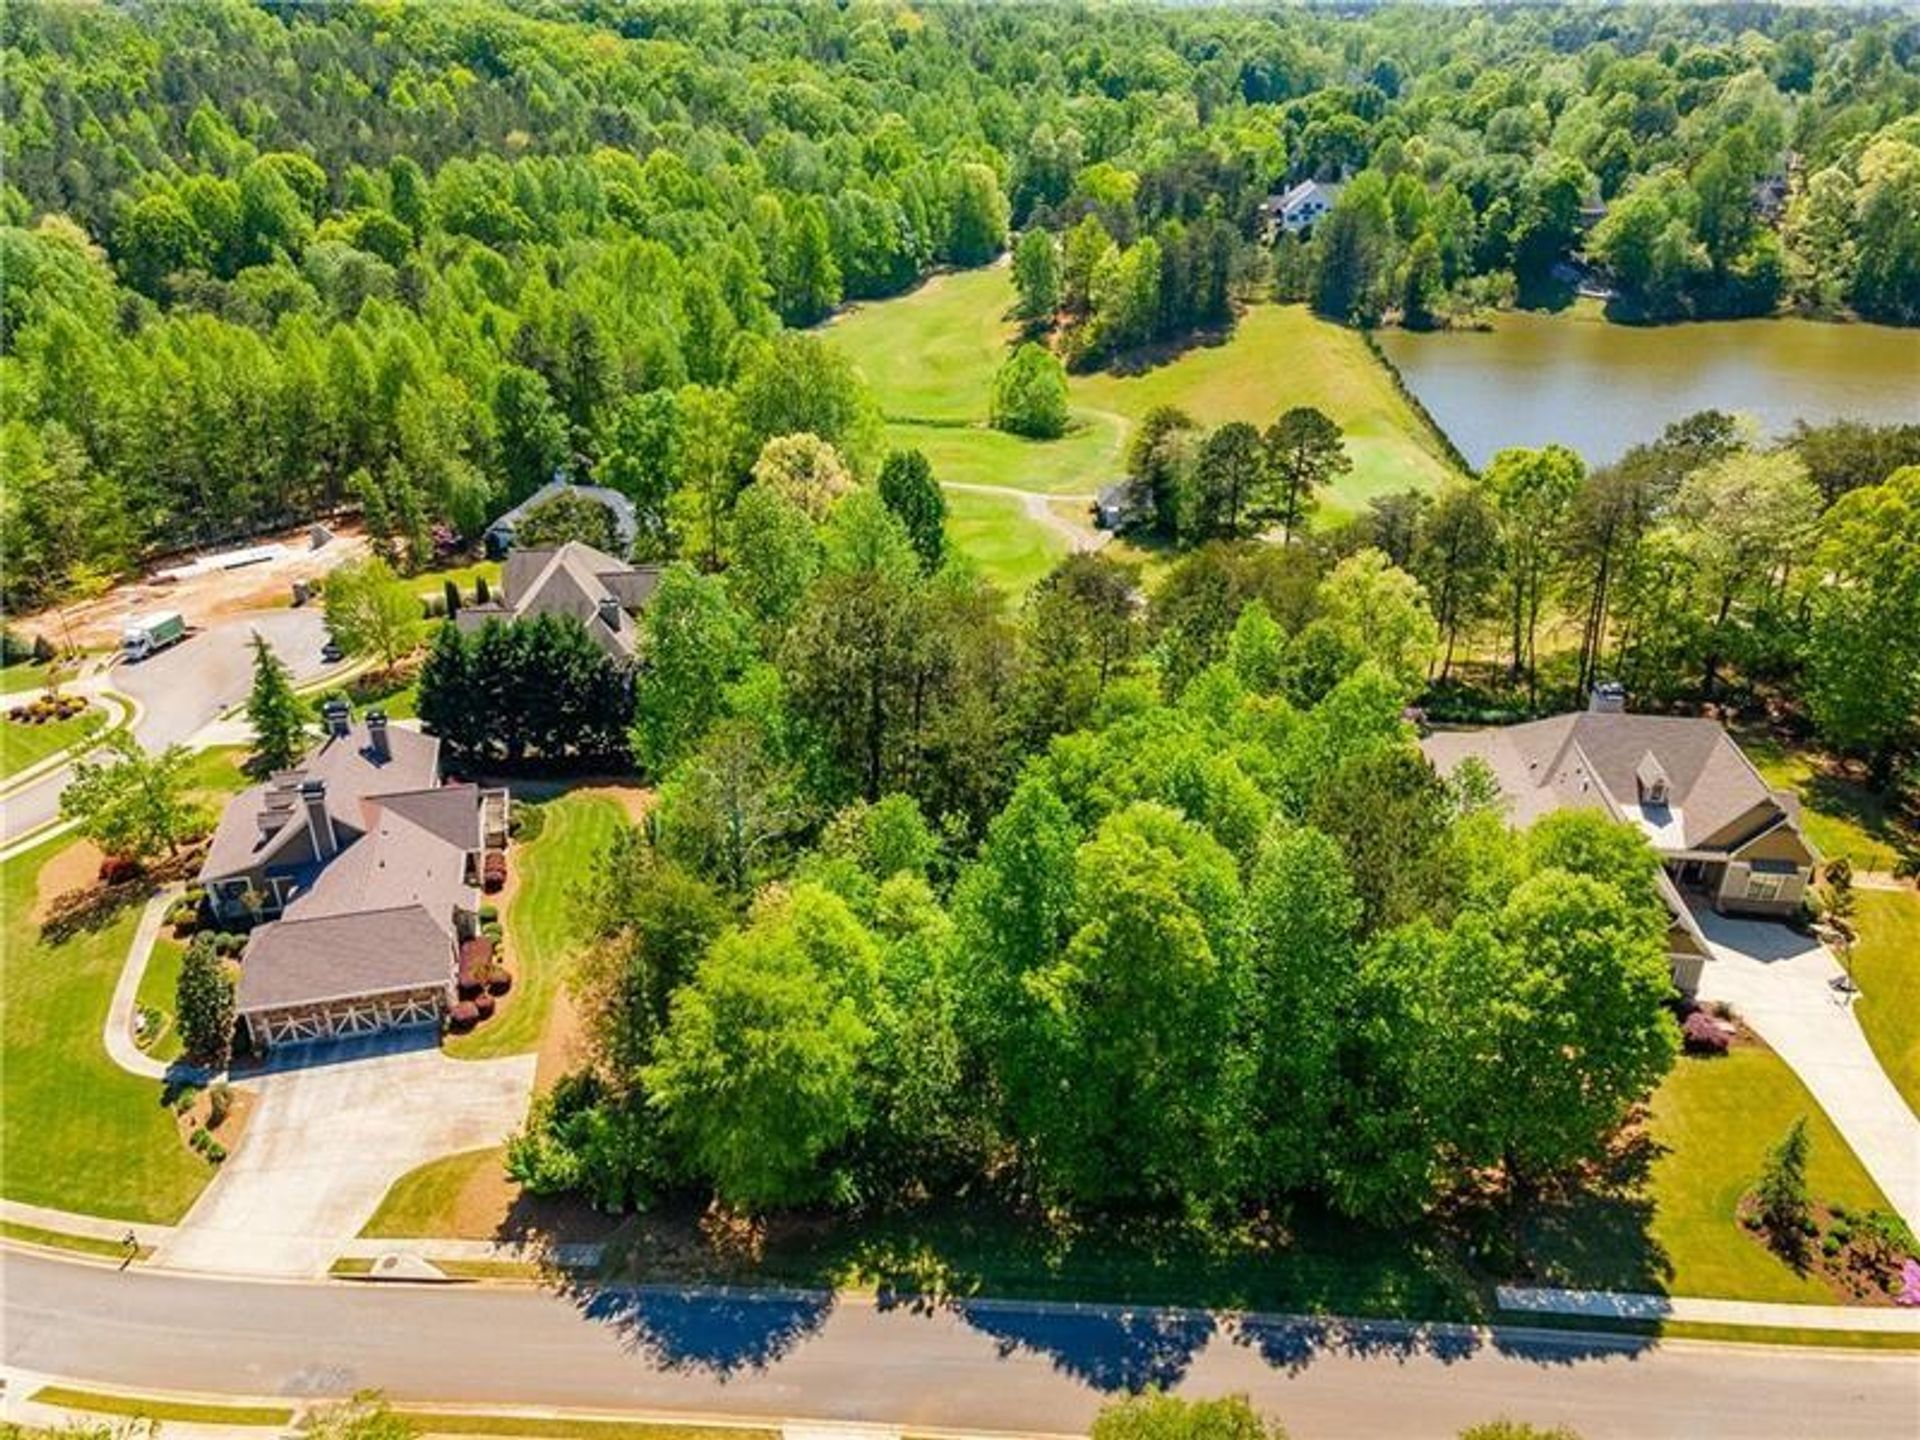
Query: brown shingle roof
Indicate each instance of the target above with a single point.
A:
(570, 579)
(304, 962)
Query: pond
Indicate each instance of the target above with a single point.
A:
(1600, 388)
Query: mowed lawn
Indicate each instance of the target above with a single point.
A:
(930, 356)
(1840, 814)
(1886, 963)
(1009, 546)
(79, 1133)
(1669, 1225)
(22, 745)
(542, 923)
(425, 1199)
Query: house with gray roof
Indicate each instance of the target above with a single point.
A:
(367, 873)
(1298, 208)
(1721, 832)
(626, 520)
(602, 593)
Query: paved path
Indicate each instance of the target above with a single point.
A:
(1781, 984)
(1039, 508)
(330, 1132)
(966, 1365)
(118, 1032)
(1616, 1305)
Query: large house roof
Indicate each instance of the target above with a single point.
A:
(396, 863)
(266, 824)
(336, 957)
(1613, 762)
(626, 521)
(572, 579)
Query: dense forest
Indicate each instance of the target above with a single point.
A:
(268, 261)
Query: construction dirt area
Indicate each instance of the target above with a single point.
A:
(204, 586)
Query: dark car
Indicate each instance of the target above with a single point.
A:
(332, 653)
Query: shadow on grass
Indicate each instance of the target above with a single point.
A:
(1596, 1234)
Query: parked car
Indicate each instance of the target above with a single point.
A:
(332, 653)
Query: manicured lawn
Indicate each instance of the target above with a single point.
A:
(433, 582)
(423, 1200)
(1840, 814)
(158, 987)
(79, 1244)
(1010, 547)
(1886, 963)
(24, 745)
(213, 775)
(79, 1133)
(542, 924)
(930, 356)
(141, 1407)
(1666, 1223)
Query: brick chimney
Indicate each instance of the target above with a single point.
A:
(377, 735)
(313, 795)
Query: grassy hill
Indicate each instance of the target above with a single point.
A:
(930, 357)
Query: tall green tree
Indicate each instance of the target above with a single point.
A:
(911, 493)
(1305, 453)
(274, 713)
(132, 804)
(371, 612)
(204, 1001)
(1030, 394)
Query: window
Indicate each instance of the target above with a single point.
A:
(1765, 885)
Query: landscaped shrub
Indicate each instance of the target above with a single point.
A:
(462, 1016)
(483, 1005)
(1830, 1246)
(494, 872)
(499, 979)
(489, 914)
(199, 1140)
(219, 1105)
(526, 822)
(1704, 1034)
(118, 869)
(213, 1149)
(469, 982)
(229, 943)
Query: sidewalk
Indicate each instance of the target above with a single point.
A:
(1616, 1305)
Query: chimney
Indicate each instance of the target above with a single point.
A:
(313, 795)
(1608, 698)
(377, 735)
(610, 612)
(338, 715)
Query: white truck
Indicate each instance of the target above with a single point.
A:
(149, 634)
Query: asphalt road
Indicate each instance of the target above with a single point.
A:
(980, 1365)
(181, 689)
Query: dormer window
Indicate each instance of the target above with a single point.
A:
(1652, 778)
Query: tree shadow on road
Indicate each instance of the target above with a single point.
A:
(1107, 1347)
(722, 1332)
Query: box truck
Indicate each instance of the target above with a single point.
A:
(147, 634)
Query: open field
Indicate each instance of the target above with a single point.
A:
(930, 358)
(1886, 963)
(79, 1132)
(1666, 1221)
(1011, 548)
(542, 923)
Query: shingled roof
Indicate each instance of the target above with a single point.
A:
(340, 957)
(575, 579)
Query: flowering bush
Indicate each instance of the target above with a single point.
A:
(1705, 1034)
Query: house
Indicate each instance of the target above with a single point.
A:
(602, 593)
(626, 522)
(1116, 506)
(1721, 831)
(367, 871)
(1299, 207)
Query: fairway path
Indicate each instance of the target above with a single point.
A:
(1039, 508)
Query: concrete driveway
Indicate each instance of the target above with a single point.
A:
(331, 1130)
(1781, 983)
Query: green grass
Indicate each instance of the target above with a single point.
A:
(1839, 814)
(78, 1244)
(216, 774)
(158, 986)
(433, 582)
(79, 1133)
(421, 1202)
(1010, 547)
(1886, 963)
(24, 745)
(27, 676)
(145, 1408)
(1666, 1223)
(930, 357)
(542, 924)
(1715, 1330)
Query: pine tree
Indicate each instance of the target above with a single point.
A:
(278, 718)
(1782, 1191)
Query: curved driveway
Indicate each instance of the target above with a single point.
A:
(970, 1365)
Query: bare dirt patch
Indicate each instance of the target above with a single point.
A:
(204, 597)
(75, 868)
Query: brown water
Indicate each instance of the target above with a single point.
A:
(1536, 379)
